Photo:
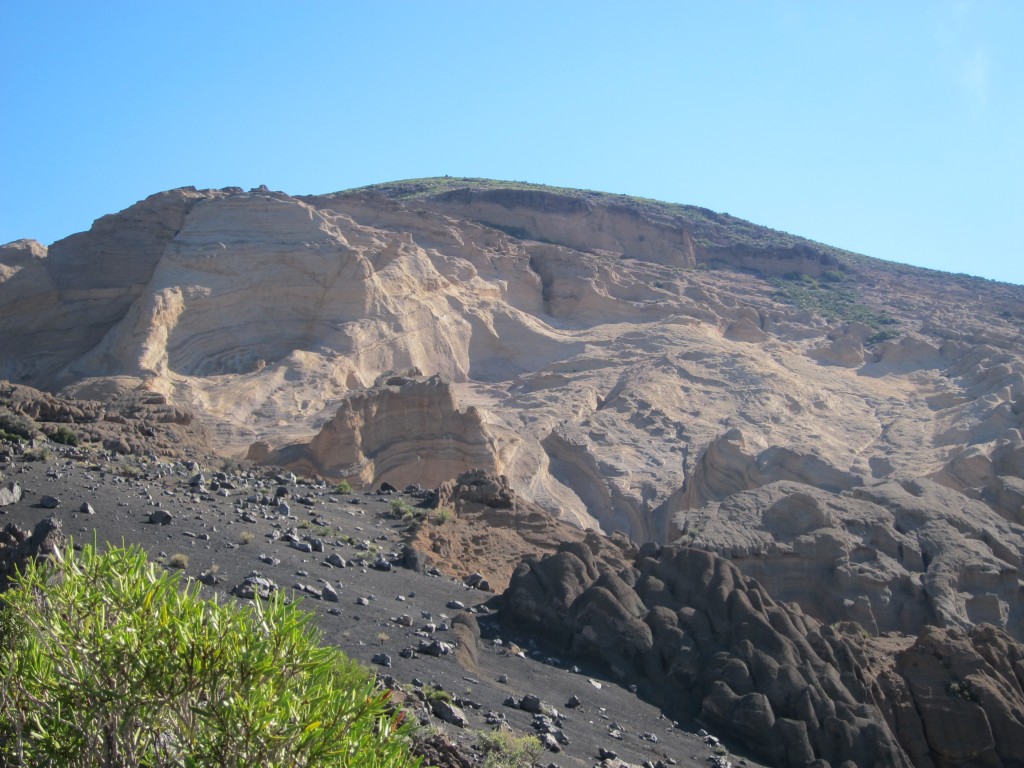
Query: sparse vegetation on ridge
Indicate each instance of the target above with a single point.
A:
(504, 750)
(833, 296)
(708, 228)
(109, 661)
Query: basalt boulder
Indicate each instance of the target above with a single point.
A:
(18, 546)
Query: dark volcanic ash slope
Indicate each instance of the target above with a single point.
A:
(420, 628)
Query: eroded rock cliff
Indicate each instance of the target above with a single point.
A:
(820, 429)
(406, 428)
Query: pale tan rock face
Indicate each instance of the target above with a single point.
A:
(625, 365)
(577, 224)
(84, 286)
(405, 429)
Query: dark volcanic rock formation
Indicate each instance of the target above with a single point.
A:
(957, 699)
(705, 640)
(130, 422)
(18, 546)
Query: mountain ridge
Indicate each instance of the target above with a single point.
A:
(412, 189)
(847, 434)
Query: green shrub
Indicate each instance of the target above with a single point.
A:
(37, 454)
(831, 300)
(883, 335)
(64, 435)
(961, 689)
(343, 487)
(108, 660)
(432, 693)
(16, 426)
(178, 560)
(401, 509)
(504, 750)
(442, 516)
(832, 276)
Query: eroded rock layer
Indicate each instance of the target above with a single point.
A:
(406, 428)
(703, 639)
(622, 361)
(609, 346)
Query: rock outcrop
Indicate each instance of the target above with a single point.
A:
(83, 285)
(482, 526)
(725, 469)
(19, 546)
(847, 434)
(406, 428)
(130, 422)
(703, 639)
(606, 343)
(891, 556)
(957, 698)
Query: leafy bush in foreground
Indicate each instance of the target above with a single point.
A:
(106, 660)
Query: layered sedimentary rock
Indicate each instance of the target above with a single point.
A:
(406, 428)
(609, 347)
(83, 285)
(849, 432)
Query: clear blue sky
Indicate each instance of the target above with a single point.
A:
(895, 129)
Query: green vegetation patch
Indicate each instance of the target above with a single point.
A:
(64, 435)
(441, 516)
(709, 229)
(16, 427)
(406, 513)
(108, 660)
(961, 689)
(502, 749)
(833, 296)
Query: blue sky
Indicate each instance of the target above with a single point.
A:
(891, 129)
